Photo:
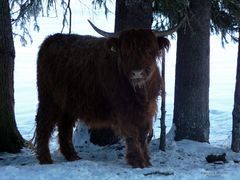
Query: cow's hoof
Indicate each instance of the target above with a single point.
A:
(138, 162)
(45, 160)
(141, 164)
(73, 158)
(147, 163)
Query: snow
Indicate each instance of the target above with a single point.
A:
(182, 160)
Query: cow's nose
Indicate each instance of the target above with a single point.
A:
(136, 74)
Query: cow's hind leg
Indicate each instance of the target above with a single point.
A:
(45, 122)
(65, 128)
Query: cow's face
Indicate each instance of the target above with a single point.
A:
(137, 52)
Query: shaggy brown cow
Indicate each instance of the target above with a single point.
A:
(105, 82)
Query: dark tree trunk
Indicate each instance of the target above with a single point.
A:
(191, 101)
(236, 108)
(10, 138)
(128, 14)
(133, 14)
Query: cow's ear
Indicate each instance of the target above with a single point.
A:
(112, 44)
(163, 43)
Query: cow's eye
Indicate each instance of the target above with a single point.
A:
(147, 70)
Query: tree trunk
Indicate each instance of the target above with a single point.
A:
(10, 138)
(162, 143)
(191, 101)
(128, 14)
(236, 109)
(133, 14)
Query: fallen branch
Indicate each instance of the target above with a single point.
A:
(159, 173)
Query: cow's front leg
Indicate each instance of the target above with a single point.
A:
(136, 133)
(144, 148)
(134, 155)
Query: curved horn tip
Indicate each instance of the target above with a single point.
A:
(170, 31)
(90, 22)
(99, 31)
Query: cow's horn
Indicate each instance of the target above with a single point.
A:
(170, 31)
(101, 32)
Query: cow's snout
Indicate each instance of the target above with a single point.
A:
(138, 74)
(138, 79)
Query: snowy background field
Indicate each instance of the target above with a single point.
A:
(182, 160)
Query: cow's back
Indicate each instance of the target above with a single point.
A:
(67, 73)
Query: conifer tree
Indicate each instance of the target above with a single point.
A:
(10, 138)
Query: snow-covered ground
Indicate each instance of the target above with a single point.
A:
(182, 160)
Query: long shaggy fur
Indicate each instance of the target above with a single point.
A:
(88, 78)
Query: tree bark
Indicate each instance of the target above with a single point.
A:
(128, 14)
(236, 109)
(191, 101)
(133, 14)
(10, 138)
